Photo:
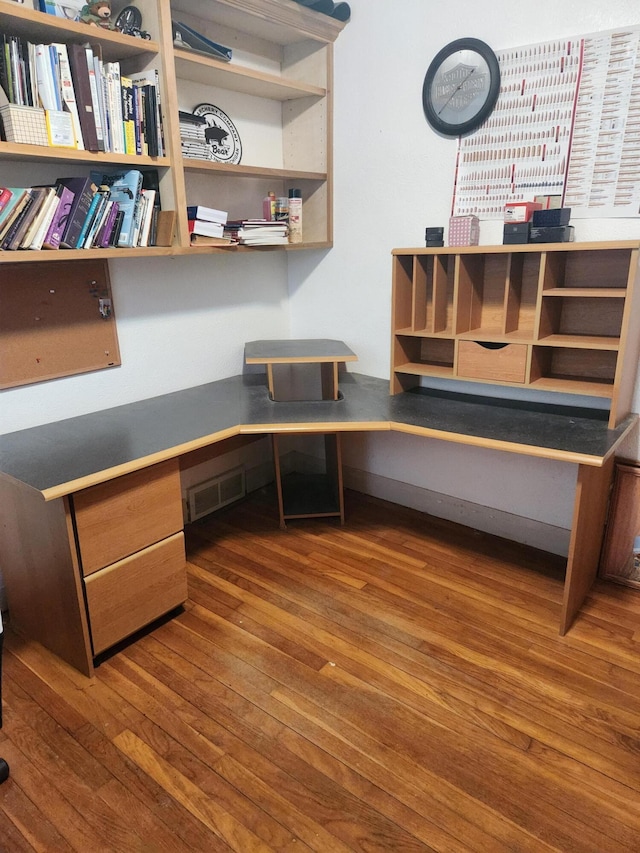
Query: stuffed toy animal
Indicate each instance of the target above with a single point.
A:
(97, 15)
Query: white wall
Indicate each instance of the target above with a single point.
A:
(394, 177)
(181, 322)
(184, 321)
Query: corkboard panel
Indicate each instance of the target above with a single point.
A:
(56, 320)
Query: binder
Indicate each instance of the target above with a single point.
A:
(82, 87)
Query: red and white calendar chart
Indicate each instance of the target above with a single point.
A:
(567, 122)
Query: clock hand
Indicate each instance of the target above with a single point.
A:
(455, 92)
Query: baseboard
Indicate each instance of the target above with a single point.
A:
(515, 527)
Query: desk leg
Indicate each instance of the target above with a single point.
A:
(587, 531)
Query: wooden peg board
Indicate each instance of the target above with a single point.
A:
(56, 320)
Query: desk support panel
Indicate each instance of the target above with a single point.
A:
(589, 517)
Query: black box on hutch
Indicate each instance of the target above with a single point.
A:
(552, 234)
(551, 218)
(515, 232)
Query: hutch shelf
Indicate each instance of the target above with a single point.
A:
(546, 317)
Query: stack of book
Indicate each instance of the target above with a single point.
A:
(258, 232)
(207, 226)
(89, 104)
(192, 136)
(117, 209)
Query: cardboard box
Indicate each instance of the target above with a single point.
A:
(520, 211)
(464, 230)
(515, 232)
(551, 218)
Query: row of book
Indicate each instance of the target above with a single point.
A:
(211, 227)
(116, 209)
(105, 110)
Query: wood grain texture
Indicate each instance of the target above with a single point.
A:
(398, 684)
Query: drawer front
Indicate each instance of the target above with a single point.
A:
(133, 592)
(123, 516)
(505, 364)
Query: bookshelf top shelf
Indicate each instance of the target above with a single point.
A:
(279, 21)
(36, 26)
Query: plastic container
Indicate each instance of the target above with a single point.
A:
(295, 216)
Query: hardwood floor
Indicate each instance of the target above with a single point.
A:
(397, 684)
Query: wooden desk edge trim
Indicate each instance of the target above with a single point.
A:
(302, 359)
(71, 486)
(321, 426)
(507, 446)
(106, 474)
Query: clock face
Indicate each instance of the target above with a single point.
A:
(461, 87)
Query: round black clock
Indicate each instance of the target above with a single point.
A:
(461, 87)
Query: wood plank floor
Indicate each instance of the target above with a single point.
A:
(397, 684)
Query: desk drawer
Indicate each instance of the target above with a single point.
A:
(133, 592)
(120, 517)
(506, 363)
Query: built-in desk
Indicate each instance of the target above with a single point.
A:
(56, 479)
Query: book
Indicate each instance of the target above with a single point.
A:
(146, 92)
(105, 233)
(82, 88)
(46, 196)
(21, 222)
(5, 197)
(68, 92)
(208, 229)
(58, 223)
(95, 87)
(203, 240)
(84, 190)
(92, 213)
(190, 39)
(199, 211)
(128, 116)
(45, 223)
(146, 216)
(47, 83)
(11, 209)
(125, 187)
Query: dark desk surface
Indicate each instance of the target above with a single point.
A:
(300, 351)
(62, 457)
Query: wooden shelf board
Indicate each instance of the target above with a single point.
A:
(524, 248)
(580, 342)
(239, 171)
(23, 152)
(423, 333)
(590, 292)
(236, 78)
(279, 21)
(39, 27)
(573, 385)
(43, 255)
(416, 369)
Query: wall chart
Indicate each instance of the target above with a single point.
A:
(567, 122)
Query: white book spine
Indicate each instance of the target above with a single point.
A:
(41, 233)
(68, 93)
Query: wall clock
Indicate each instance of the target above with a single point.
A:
(461, 87)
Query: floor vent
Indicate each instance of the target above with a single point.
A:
(215, 493)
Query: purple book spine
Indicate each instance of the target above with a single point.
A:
(56, 229)
(105, 232)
